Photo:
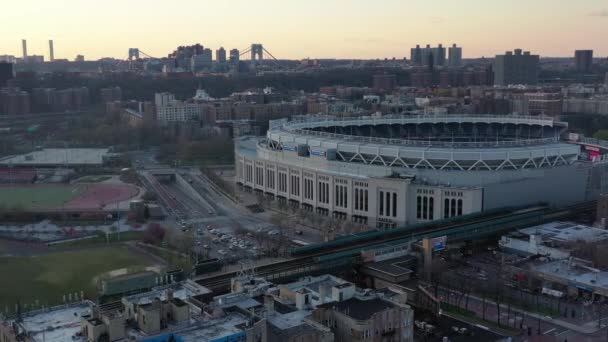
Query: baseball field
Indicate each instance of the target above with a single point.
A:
(34, 197)
(46, 278)
(85, 196)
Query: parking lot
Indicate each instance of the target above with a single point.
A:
(231, 245)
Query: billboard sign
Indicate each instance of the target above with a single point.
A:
(439, 243)
(318, 153)
(592, 148)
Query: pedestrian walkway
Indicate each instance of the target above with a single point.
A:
(587, 328)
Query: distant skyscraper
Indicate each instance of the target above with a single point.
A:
(439, 55)
(234, 56)
(428, 56)
(202, 61)
(416, 55)
(220, 55)
(208, 55)
(583, 60)
(516, 68)
(455, 56)
(51, 51)
(79, 58)
(24, 47)
(6, 73)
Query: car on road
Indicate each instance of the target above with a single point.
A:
(299, 232)
(222, 252)
(210, 212)
(273, 232)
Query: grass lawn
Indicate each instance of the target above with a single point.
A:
(38, 196)
(48, 277)
(93, 179)
(471, 317)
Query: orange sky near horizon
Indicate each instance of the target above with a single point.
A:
(297, 29)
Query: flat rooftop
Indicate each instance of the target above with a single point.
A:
(57, 324)
(395, 267)
(59, 156)
(576, 275)
(565, 232)
(215, 329)
(181, 291)
(288, 320)
(314, 284)
(360, 309)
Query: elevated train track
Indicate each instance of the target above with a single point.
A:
(341, 252)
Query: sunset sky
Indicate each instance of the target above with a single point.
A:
(304, 28)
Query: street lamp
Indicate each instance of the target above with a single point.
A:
(538, 314)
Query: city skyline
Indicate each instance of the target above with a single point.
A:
(337, 29)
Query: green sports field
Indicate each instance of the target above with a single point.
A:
(38, 196)
(48, 277)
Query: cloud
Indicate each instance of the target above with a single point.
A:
(600, 13)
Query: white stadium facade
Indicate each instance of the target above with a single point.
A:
(397, 170)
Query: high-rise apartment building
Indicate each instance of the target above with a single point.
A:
(14, 101)
(207, 55)
(416, 55)
(428, 56)
(220, 55)
(54, 100)
(516, 67)
(384, 82)
(163, 99)
(583, 60)
(234, 56)
(6, 73)
(202, 61)
(454, 56)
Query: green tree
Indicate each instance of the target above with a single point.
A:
(602, 134)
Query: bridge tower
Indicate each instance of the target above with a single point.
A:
(257, 52)
(133, 53)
